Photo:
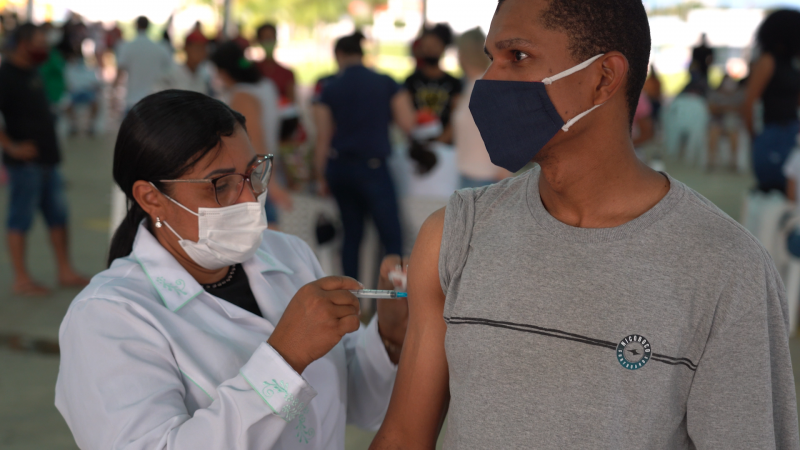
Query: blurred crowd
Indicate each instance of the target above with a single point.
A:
(359, 136)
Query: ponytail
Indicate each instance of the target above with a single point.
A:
(122, 242)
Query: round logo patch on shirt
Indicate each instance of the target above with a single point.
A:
(633, 352)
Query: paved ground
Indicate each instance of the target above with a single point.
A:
(28, 365)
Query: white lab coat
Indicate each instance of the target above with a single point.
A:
(149, 360)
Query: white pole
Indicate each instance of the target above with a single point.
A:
(226, 20)
(29, 11)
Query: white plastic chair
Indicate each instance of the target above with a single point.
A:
(686, 120)
(771, 218)
(792, 282)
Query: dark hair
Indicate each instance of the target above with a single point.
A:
(602, 26)
(350, 45)
(142, 23)
(162, 138)
(779, 34)
(230, 58)
(441, 31)
(423, 156)
(266, 26)
(23, 33)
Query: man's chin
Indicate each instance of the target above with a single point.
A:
(544, 157)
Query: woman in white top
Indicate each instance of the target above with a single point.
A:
(474, 165)
(258, 100)
(209, 331)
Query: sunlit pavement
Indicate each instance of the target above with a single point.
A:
(29, 327)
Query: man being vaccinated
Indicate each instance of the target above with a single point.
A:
(590, 302)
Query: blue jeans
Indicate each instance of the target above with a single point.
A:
(361, 188)
(272, 211)
(793, 243)
(771, 149)
(33, 187)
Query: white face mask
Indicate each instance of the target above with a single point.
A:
(226, 236)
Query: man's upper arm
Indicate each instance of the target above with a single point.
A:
(403, 111)
(743, 392)
(421, 392)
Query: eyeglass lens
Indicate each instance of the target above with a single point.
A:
(229, 188)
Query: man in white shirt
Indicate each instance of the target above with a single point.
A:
(145, 63)
(194, 75)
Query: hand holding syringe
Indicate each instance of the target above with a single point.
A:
(397, 276)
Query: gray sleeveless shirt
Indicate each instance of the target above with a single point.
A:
(667, 332)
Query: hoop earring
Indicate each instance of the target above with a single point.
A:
(158, 222)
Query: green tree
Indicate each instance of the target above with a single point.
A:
(301, 13)
(681, 9)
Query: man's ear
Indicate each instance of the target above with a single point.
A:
(150, 200)
(614, 73)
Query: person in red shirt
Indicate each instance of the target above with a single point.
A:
(282, 77)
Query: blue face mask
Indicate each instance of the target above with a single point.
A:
(517, 119)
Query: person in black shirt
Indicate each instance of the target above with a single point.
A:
(353, 115)
(775, 81)
(432, 88)
(31, 156)
(702, 58)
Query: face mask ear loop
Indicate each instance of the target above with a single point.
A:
(174, 201)
(173, 231)
(580, 116)
(548, 81)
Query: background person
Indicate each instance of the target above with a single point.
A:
(702, 58)
(431, 88)
(295, 162)
(775, 81)
(724, 103)
(144, 62)
(257, 99)
(654, 92)
(215, 334)
(53, 70)
(84, 88)
(588, 256)
(194, 74)
(31, 156)
(283, 77)
(643, 130)
(474, 165)
(354, 114)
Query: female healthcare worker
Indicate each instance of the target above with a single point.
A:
(208, 332)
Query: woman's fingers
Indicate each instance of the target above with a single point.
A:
(348, 324)
(338, 283)
(340, 311)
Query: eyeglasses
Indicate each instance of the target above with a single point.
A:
(228, 187)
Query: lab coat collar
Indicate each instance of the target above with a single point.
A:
(174, 284)
(263, 262)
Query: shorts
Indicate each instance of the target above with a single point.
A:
(793, 244)
(32, 187)
(272, 212)
(771, 149)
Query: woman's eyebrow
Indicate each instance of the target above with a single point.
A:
(513, 42)
(219, 172)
